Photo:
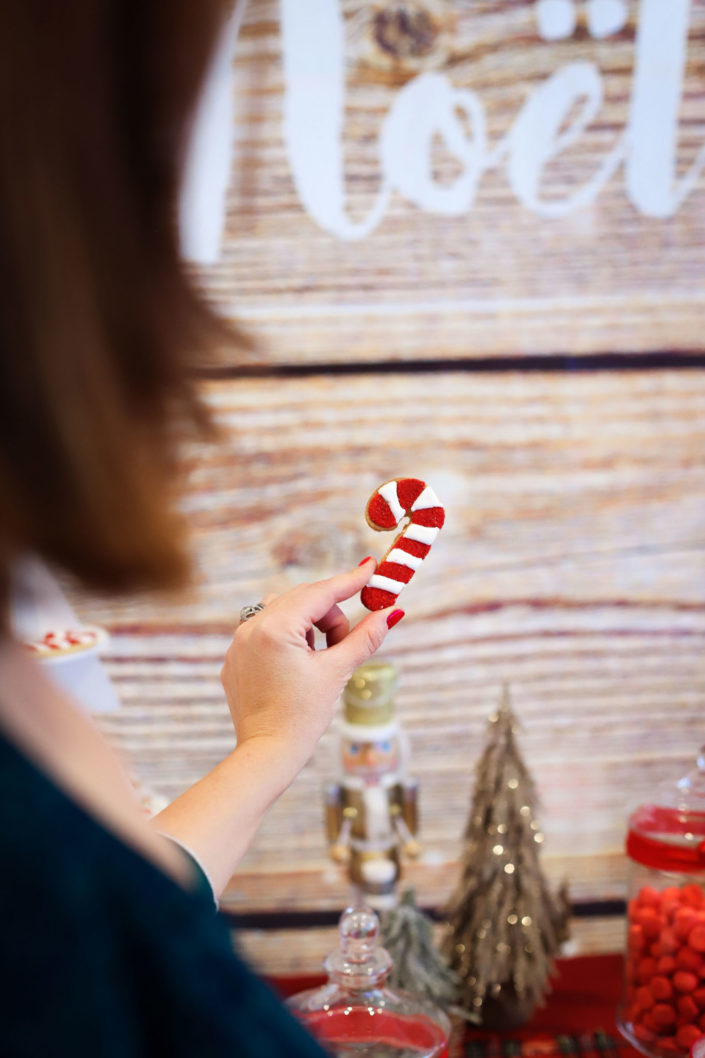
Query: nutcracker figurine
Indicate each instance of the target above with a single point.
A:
(372, 812)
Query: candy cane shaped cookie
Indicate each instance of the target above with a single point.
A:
(386, 508)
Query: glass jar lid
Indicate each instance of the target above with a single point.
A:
(355, 1013)
(669, 833)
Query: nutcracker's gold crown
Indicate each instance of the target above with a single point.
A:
(368, 695)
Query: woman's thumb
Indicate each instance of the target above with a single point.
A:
(365, 638)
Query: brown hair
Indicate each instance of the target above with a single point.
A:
(99, 321)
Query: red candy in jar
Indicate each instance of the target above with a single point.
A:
(663, 1005)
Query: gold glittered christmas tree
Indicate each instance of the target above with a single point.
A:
(504, 925)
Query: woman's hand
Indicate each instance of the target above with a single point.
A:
(278, 687)
(282, 694)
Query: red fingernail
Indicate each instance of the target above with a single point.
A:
(365, 560)
(394, 618)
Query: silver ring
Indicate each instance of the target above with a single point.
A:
(250, 611)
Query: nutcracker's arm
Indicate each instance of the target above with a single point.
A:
(410, 804)
(338, 824)
(334, 812)
(405, 816)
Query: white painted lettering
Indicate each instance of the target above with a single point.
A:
(425, 108)
(537, 138)
(553, 118)
(314, 72)
(656, 99)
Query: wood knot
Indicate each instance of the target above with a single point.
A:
(316, 550)
(405, 30)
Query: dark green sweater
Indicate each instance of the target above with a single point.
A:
(104, 956)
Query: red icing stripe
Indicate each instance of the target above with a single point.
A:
(377, 598)
(433, 517)
(379, 512)
(663, 856)
(395, 571)
(412, 547)
(409, 490)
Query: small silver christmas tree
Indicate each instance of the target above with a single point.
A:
(504, 924)
(418, 964)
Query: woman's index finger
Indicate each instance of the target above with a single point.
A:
(323, 595)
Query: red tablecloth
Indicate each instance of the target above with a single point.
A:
(578, 1018)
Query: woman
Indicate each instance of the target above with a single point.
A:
(110, 943)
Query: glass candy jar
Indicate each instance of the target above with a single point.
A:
(355, 1016)
(663, 1005)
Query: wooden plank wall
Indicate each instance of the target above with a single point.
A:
(572, 564)
(494, 280)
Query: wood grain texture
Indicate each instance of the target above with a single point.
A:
(572, 565)
(291, 952)
(498, 281)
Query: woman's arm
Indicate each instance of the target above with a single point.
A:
(217, 818)
(282, 696)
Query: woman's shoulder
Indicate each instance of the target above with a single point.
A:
(105, 954)
(56, 852)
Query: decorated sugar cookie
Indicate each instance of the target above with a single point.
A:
(396, 499)
(60, 644)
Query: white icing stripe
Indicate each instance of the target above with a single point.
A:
(385, 583)
(427, 499)
(423, 534)
(388, 492)
(403, 558)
